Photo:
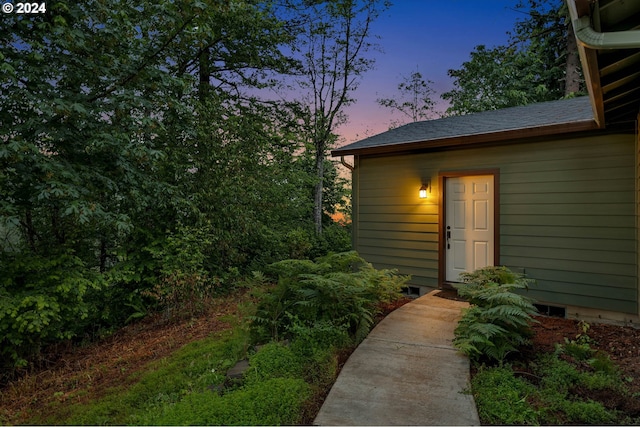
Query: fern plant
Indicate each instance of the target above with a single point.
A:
(341, 289)
(498, 321)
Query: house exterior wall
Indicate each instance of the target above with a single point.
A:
(568, 215)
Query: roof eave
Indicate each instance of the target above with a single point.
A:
(465, 140)
(590, 45)
(577, 10)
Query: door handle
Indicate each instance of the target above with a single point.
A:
(448, 236)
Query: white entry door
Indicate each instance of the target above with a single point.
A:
(469, 228)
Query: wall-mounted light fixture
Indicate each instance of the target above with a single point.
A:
(425, 189)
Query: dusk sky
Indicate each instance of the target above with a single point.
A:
(432, 37)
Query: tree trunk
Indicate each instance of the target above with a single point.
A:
(103, 255)
(572, 71)
(317, 190)
(205, 75)
(29, 230)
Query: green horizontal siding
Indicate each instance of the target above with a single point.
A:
(565, 209)
(587, 187)
(408, 218)
(388, 235)
(406, 254)
(402, 209)
(613, 282)
(573, 254)
(555, 242)
(417, 245)
(567, 264)
(400, 226)
(567, 199)
(585, 220)
(563, 231)
(567, 215)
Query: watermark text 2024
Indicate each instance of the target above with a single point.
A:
(24, 8)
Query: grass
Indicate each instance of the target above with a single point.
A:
(501, 398)
(283, 386)
(183, 389)
(190, 370)
(190, 387)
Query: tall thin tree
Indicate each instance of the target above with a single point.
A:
(333, 45)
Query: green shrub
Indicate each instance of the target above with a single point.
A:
(299, 243)
(341, 289)
(335, 238)
(498, 321)
(42, 300)
(491, 274)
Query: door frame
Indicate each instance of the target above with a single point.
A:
(442, 216)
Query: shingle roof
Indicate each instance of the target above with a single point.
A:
(554, 116)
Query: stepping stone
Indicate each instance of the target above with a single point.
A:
(238, 370)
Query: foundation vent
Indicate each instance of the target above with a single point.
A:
(551, 310)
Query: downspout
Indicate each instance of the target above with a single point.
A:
(592, 39)
(345, 164)
(637, 147)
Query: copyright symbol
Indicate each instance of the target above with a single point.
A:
(7, 8)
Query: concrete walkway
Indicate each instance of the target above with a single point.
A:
(406, 372)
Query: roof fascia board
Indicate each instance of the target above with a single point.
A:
(511, 134)
(579, 9)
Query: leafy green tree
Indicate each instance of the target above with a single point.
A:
(493, 79)
(548, 33)
(83, 93)
(413, 99)
(539, 64)
(126, 130)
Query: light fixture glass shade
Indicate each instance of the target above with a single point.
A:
(423, 192)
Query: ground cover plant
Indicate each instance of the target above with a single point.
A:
(551, 381)
(173, 371)
(556, 371)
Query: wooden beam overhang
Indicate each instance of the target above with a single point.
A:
(608, 37)
(469, 140)
(589, 60)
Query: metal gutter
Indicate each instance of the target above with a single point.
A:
(592, 39)
(589, 42)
